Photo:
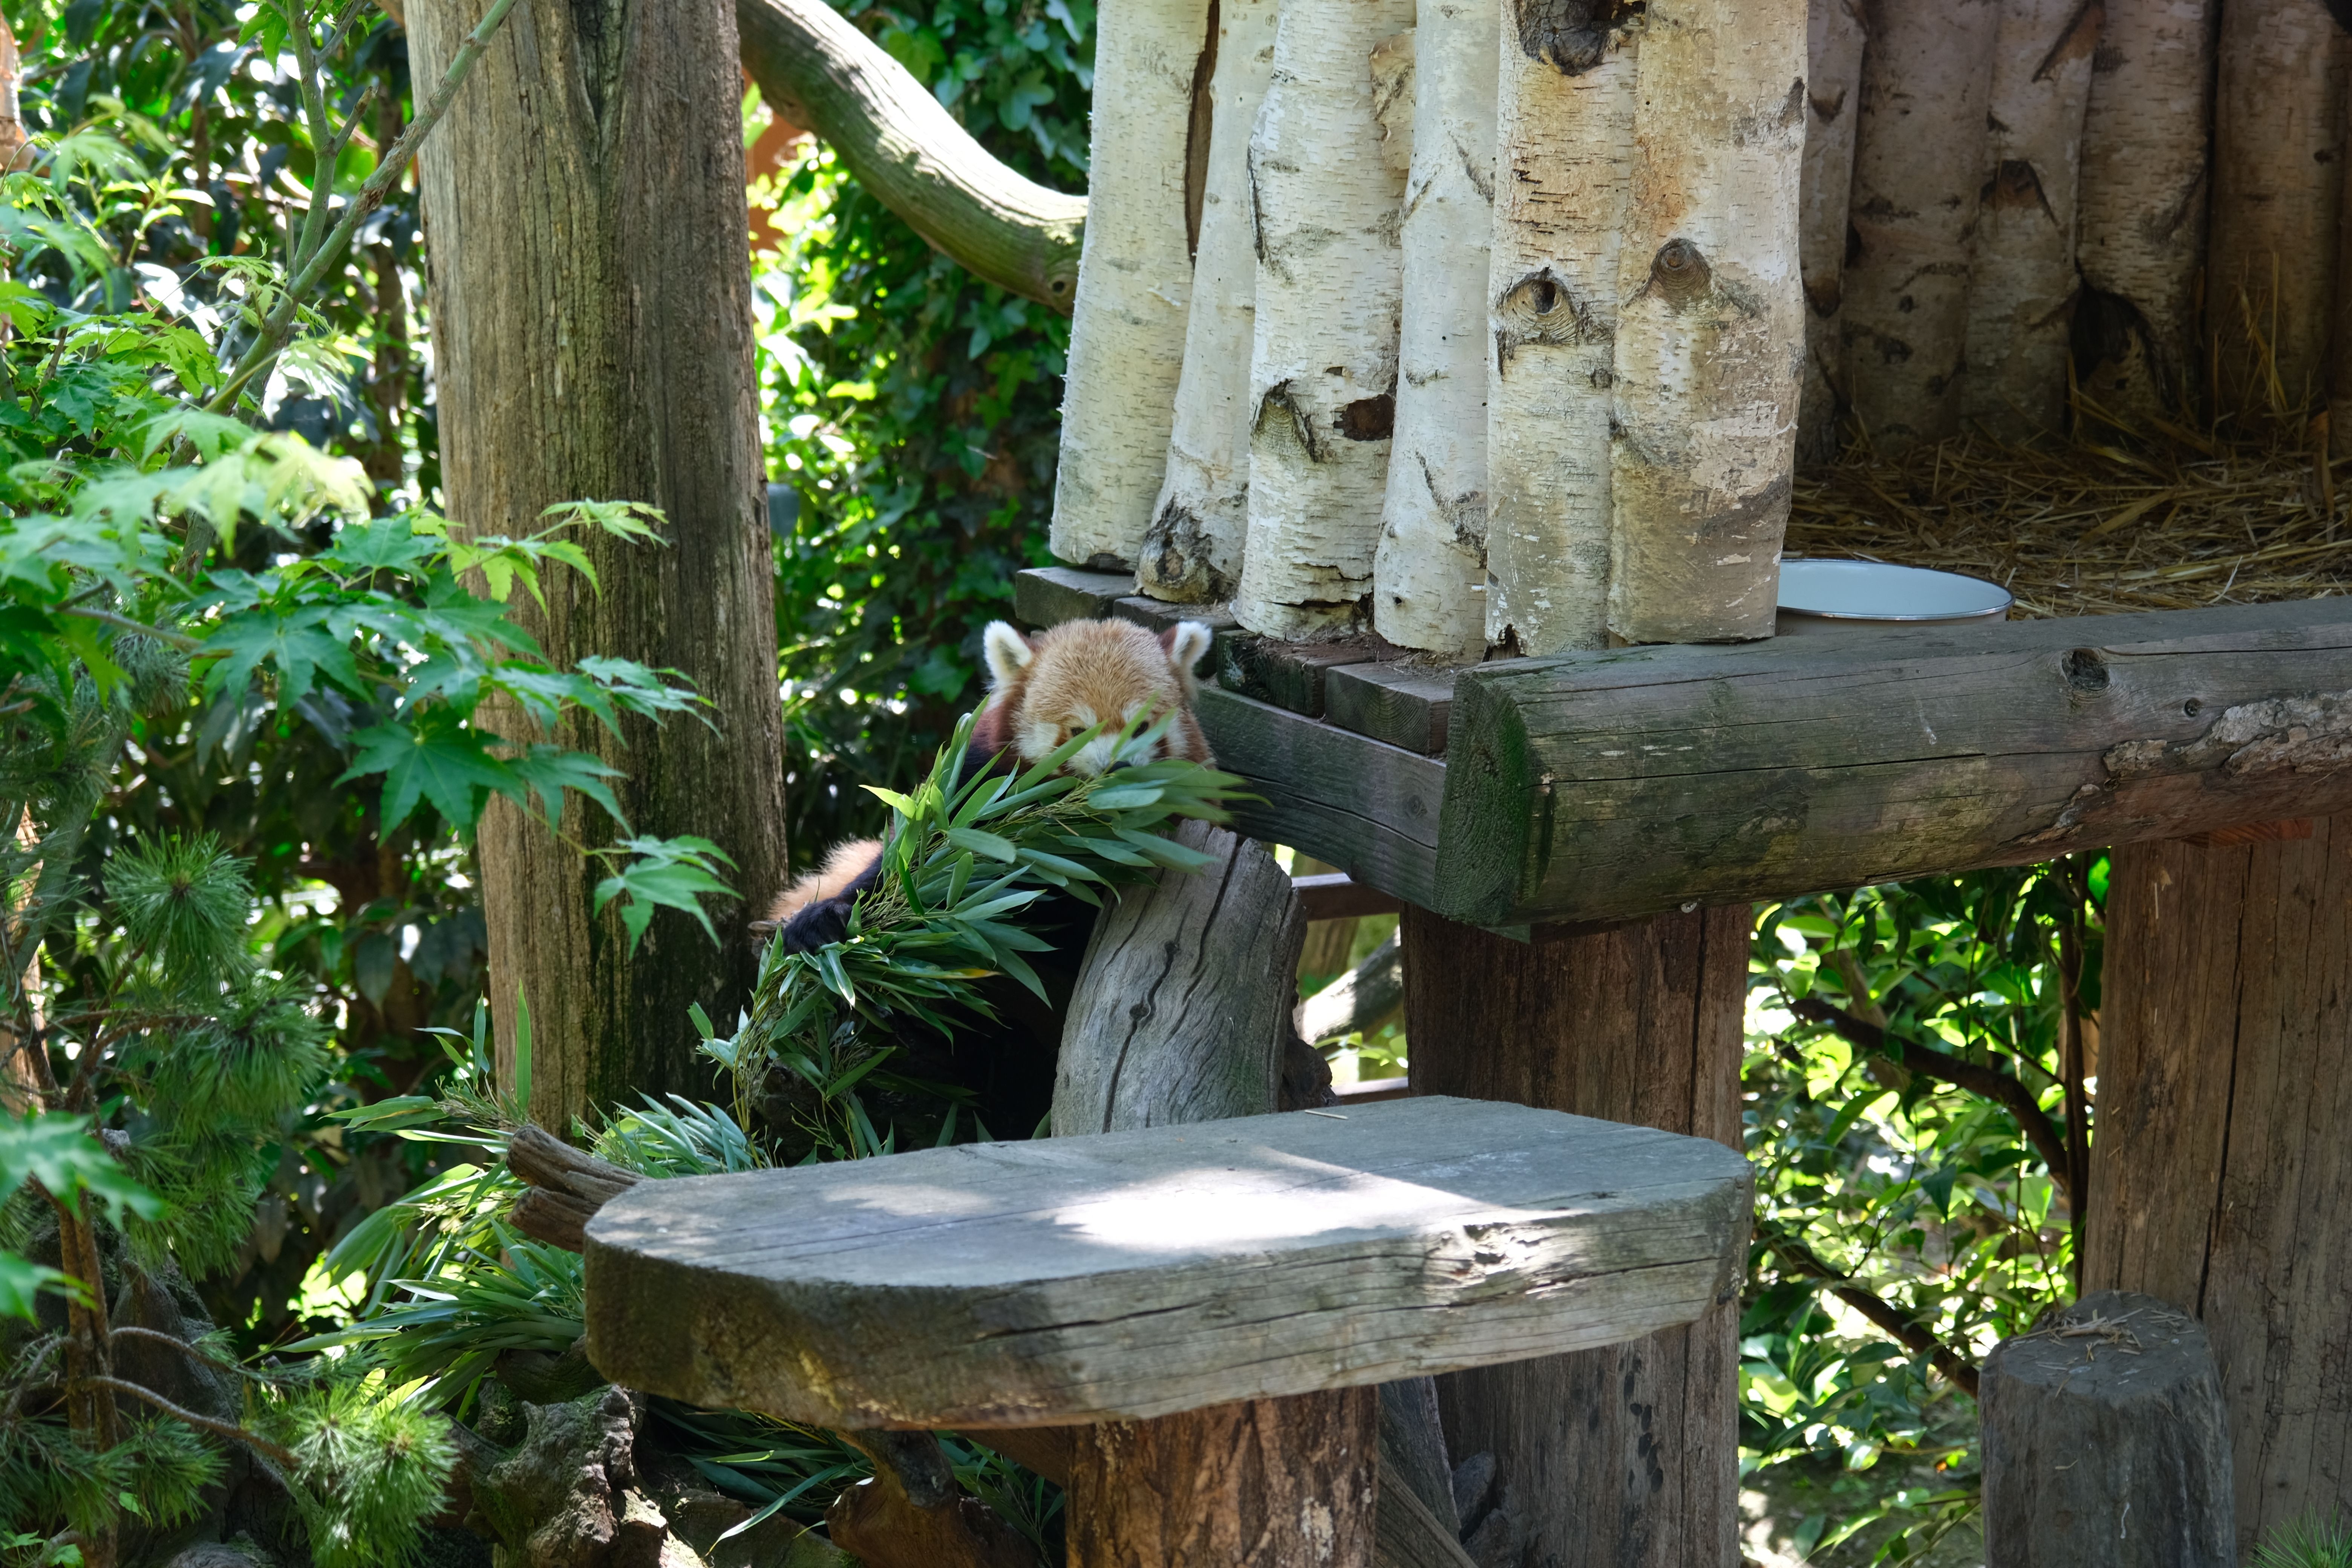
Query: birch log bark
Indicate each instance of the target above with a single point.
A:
(2021, 291)
(1711, 323)
(1192, 552)
(1564, 138)
(1430, 573)
(2142, 215)
(1135, 279)
(1834, 38)
(1919, 174)
(2278, 163)
(1323, 361)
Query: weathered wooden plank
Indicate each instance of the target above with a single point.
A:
(1405, 706)
(1139, 1274)
(1638, 781)
(1349, 800)
(1288, 675)
(1048, 596)
(1336, 896)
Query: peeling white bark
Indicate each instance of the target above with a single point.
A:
(2144, 197)
(1192, 552)
(1834, 36)
(1918, 175)
(1711, 323)
(1564, 123)
(2021, 293)
(1429, 574)
(1135, 274)
(2278, 165)
(1323, 363)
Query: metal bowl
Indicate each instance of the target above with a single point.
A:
(1875, 591)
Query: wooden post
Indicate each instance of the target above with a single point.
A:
(2105, 1444)
(2222, 1177)
(1626, 1455)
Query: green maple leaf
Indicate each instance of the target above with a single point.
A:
(432, 756)
(298, 645)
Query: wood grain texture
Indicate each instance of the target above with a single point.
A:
(1336, 896)
(1048, 596)
(1626, 1457)
(1184, 1002)
(2220, 1177)
(1288, 675)
(2105, 1442)
(1630, 783)
(1404, 706)
(1139, 1274)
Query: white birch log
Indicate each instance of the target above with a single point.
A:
(1429, 575)
(1135, 275)
(2278, 162)
(1834, 36)
(1710, 324)
(2145, 139)
(1192, 552)
(1323, 362)
(2022, 292)
(1918, 175)
(1564, 138)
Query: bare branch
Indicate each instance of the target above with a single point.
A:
(253, 1440)
(1891, 1320)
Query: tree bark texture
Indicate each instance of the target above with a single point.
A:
(2105, 1442)
(1430, 571)
(1835, 36)
(1710, 324)
(2022, 292)
(592, 309)
(1264, 1483)
(1564, 121)
(1323, 366)
(2145, 191)
(818, 71)
(1626, 1457)
(2220, 1178)
(1918, 177)
(2278, 167)
(1199, 525)
(1135, 281)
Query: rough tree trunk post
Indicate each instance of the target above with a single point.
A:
(1135, 281)
(1918, 172)
(1199, 525)
(1564, 130)
(1323, 363)
(2022, 290)
(1627, 1455)
(2141, 225)
(592, 308)
(1430, 573)
(2221, 1178)
(2278, 170)
(1710, 323)
(1834, 36)
(2106, 1443)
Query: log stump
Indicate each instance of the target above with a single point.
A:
(2104, 1442)
(2221, 1176)
(1626, 1455)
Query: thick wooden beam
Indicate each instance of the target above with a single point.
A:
(1396, 703)
(1644, 780)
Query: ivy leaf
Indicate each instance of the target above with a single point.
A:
(432, 756)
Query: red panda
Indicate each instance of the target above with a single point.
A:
(1042, 691)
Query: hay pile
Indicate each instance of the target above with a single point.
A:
(2087, 529)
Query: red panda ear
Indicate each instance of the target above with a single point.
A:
(1008, 652)
(1187, 643)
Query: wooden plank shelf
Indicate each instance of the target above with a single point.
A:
(1608, 786)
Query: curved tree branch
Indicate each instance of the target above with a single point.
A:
(819, 71)
(1891, 1320)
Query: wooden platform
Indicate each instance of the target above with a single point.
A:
(1613, 785)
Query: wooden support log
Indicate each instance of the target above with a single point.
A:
(2220, 1178)
(2105, 1444)
(1135, 279)
(1710, 323)
(1834, 35)
(1628, 1455)
(1192, 552)
(1918, 173)
(1364, 999)
(2145, 190)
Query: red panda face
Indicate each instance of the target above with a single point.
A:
(1083, 673)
